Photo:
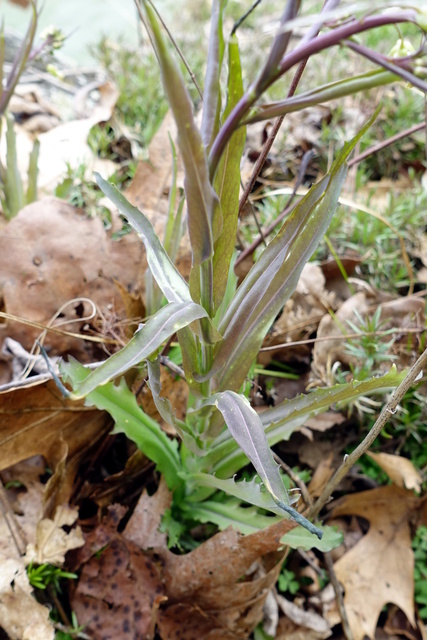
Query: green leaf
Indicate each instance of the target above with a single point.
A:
(144, 343)
(164, 407)
(229, 514)
(300, 538)
(167, 276)
(224, 457)
(251, 492)
(132, 421)
(247, 429)
(273, 278)
(202, 202)
(227, 179)
(212, 92)
(324, 93)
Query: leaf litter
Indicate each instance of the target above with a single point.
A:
(130, 582)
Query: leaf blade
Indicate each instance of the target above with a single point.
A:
(200, 196)
(167, 276)
(273, 278)
(144, 343)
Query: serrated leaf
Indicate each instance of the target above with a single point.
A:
(300, 538)
(144, 343)
(202, 203)
(131, 420)
(273, 278)
(167, 276)
(229, 514)
(251, 492)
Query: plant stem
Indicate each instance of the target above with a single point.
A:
(388, 409)
(305, 50)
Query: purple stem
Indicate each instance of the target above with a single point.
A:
(306, 50)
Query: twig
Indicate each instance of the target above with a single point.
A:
(241, 20)
(389, 409)
(385, 143)
(344, 336)
(338, 596)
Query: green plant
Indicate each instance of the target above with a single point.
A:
(12, 194)
(220, 327)
(43, 575)
(419, 545)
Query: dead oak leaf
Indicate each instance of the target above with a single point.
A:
(52, 541)
(379, 569)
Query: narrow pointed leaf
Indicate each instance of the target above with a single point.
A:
(251, 491)
(212, 92)
(145, 342)
(325, 93)
(227, 179)
(247, 429)
(200, 196)
(167, 276)
(229, 514)
(164, 407)
(132, 421)
(224, 457)
(273, 278)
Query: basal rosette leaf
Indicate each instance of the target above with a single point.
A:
(167, 321)
(131, 420)
(246, 428)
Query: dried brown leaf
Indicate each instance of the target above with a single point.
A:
(400, 470)
(39, 421)
(379, 569)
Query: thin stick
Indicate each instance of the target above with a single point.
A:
(344, 336)
(389, 409)
(385, 143)
(338, 596)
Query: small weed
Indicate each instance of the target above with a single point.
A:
(80, 192)
(43, 575)
(419, 545)
(288, 582)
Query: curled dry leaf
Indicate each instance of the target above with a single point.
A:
(305, 619)
(400, 470)
(379, 569)
(52, 542)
